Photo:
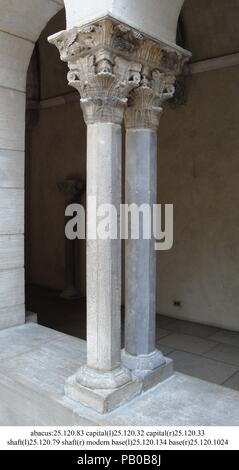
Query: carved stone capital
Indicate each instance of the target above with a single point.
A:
(145, 102)
(104, 83)
(106, 60)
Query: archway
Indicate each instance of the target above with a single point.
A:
(55, 175)
(21, 25)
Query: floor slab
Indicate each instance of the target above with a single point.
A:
(202, 367)
(32, 389)
(187, 343)
(15, 341)
(161, 333)
(193, 329)
(233, 382)
(164, 349)
(227, 337)
(164, 322)
(224, 353)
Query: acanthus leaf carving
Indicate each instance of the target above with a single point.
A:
(125, 38)
(108, 60)
(145, 102)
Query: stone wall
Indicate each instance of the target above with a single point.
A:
(20, 25)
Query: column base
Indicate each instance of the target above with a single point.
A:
(102, 391)
(151, 369)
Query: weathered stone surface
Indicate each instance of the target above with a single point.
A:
(12, 316)
(11, 169)
(12, 119)
(108, 55)
(103, 83)
(140, 353)
(151, 369)
(159, 375)
(12, 287)
(142, 364)
(108, 62)
(28, 20)
(15, 55)
(11, 251)
(12, 211)
(140, 256)
(142, 119)
(102, 400)
(104, 293)
(32, 389)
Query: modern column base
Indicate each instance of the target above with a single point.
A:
(151, 369)
(103, 392)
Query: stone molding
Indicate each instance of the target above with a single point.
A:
(107, 60)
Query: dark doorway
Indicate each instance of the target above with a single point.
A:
(55, 154)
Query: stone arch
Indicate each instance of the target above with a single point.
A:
(20, 27)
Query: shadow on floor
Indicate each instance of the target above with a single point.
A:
(66, 316)
(202, 351)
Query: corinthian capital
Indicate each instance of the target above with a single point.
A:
(107, 61)
(145, 102)
(104, 83)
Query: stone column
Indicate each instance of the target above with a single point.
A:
(142, 122)
(104, 81)
(107, 60)
(103, 262)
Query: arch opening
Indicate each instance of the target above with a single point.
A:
(55, 155)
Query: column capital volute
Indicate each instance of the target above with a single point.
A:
(107, 60)
(145, 102)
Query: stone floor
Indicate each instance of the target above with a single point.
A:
(201, 351)
(35, 361)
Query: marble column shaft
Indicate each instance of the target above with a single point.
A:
(103, 256)
(140, 257)
(142, 123)
(107, 62)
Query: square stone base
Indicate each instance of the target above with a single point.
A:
(154, 377)
(32, 391)
(102, 401)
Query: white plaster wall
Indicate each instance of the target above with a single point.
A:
(157, 18)
(198, 172)
(21, 23)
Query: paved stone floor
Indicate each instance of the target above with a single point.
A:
(201, 351)
(35, 362)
